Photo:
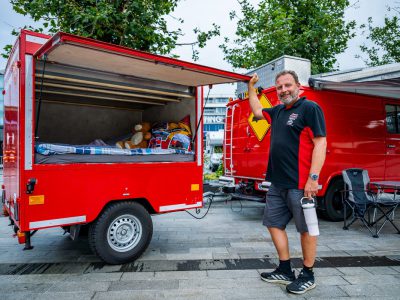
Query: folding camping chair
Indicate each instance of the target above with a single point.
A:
(386, 204)
(361, 200)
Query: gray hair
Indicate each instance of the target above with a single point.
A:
(286, 72)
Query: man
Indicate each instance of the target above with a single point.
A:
(297, 154)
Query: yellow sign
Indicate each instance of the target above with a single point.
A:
(35, 200)
(260, 127)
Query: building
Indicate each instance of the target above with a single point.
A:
(214, 114)
(1, 104)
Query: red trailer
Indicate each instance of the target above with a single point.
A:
(362, 131)
(68, 90)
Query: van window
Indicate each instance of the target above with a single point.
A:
(392, 118)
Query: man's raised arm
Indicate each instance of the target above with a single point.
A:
(255, 104)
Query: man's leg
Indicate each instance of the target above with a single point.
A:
(305, 281)
(309, 248)
(276, 217)
(280, 239)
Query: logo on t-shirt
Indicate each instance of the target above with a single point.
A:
(292, 117)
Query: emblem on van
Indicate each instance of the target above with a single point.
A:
(260, 127)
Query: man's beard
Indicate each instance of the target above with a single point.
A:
(288, 99)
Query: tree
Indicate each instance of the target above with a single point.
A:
(138, 24)
(313, 29)
(386, 40)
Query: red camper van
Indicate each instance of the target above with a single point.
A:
(362, 131)
(64, 92)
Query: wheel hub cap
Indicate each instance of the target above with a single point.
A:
(124, 233)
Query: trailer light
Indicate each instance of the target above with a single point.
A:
(30, 186)
(195, 187)
(21, 237)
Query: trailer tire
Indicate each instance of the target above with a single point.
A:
(121, 233)
(333, 201)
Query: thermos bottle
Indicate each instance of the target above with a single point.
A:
(310, 215)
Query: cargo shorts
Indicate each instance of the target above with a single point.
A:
(281, 206)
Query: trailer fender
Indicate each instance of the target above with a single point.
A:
(143, 201)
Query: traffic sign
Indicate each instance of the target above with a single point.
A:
(260, 127)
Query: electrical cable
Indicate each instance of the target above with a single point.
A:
(198, 210)
(241, 206)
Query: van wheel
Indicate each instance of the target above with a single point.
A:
(333, 202)
(121, 233)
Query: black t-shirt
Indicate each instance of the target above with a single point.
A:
(292, 132)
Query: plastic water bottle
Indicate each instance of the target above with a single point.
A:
(310, 215)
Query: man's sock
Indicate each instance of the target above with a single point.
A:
(308, 270)
(285, 266)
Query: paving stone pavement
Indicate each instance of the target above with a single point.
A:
(231, 231)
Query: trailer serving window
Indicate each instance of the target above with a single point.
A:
(90, 93)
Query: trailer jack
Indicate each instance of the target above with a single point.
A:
(27, 237)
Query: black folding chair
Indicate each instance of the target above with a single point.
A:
(358, 196)
(386, 204)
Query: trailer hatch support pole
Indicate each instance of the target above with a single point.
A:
(202, 113)
(40, 98)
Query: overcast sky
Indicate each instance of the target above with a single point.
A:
(203, 13)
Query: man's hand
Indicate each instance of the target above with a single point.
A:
(253, 81)
(255, 104)
(311, 188)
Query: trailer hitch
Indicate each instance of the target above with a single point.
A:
(30, 186)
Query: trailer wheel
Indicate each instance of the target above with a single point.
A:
(333, 201)
(121, 233)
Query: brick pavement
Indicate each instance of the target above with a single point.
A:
(225, 234)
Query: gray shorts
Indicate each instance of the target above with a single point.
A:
(281, 206)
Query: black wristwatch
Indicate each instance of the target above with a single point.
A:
(314, 176)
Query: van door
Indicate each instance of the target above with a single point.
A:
(392, 165)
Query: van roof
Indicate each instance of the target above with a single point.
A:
(382, 81)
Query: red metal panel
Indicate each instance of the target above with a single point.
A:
(62, 37)
(84, 189)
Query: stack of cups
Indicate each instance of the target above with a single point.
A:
(310, 215)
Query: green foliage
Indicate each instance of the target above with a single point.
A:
(210, 176)
(220, 170)
(386, 40)
(313, 29)
(138, 24)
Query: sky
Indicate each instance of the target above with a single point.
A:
(203, 13)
